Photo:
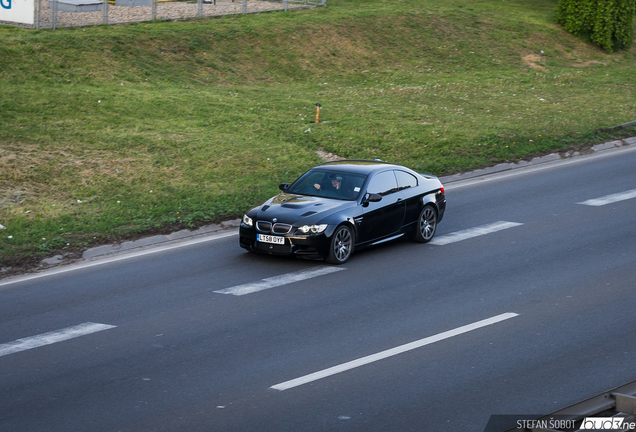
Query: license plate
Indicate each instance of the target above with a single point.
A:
(270, 239)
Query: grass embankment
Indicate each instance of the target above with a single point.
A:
(109, 132)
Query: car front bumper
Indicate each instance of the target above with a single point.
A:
(314, 246)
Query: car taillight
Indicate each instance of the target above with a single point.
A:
(441, 190)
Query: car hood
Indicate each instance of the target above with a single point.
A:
(292, 209)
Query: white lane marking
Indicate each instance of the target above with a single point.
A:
(391, 352)
(120, 257)
(609, 199)
(52, 337)
(473, 232)
(276, 281)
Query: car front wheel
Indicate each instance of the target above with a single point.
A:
(426, 224)
(341, 246)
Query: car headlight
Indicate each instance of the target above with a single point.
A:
(247, 221)
(314, 229)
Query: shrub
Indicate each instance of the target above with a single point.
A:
(606, 23)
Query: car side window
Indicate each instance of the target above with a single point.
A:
(307, 181)
(383, 183)
(405, 180)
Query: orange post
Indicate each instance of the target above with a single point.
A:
(318, 112)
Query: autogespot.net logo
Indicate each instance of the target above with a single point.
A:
(606, 423)
(7, 5)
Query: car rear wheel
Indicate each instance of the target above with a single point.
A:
(426, 225)
(341, 246)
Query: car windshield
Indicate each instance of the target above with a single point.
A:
(328, 184)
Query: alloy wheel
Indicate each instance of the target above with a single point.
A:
(342, 243)
(427, 223)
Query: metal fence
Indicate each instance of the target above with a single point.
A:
(72, 13)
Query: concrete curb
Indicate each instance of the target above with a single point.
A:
(158, 239)
(535, 161)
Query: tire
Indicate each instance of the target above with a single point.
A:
(426, 225)
(341, 246)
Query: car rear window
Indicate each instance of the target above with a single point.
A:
(405, 180)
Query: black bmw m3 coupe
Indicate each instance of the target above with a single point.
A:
(337, 207)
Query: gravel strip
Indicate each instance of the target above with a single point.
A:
(165, 11)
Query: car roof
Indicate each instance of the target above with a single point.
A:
(356, 166)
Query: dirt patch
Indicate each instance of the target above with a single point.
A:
(328, 157)
(12, 196)
(531, 60)
(587, 63)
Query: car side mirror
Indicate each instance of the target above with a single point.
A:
(371, 197)
(283, 186)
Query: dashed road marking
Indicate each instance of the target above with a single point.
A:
(473, 232)
(391, 352)
(610, 199)
(276, 281)
(52, 337)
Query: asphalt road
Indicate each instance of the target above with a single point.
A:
(400, 336)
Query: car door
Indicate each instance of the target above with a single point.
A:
(407, 183)
(383, 218)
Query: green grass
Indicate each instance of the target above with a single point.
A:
(160, 126)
